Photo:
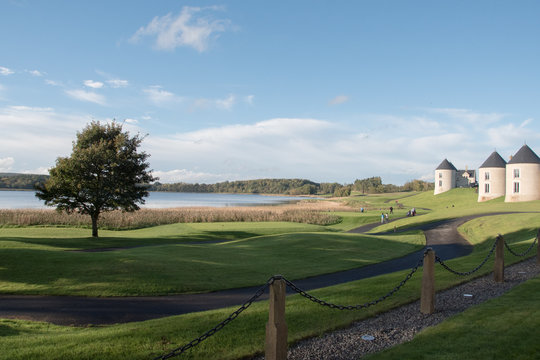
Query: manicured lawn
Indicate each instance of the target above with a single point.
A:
(35, 261)
(503, 328)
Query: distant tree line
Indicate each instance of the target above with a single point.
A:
(372, 185)
(21, 181)
(259, 186)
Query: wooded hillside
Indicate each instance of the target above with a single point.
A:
(20, 181)
(371, 185)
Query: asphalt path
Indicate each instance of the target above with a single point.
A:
(442, 236)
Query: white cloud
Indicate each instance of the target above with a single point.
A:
(88, 96)
(5, 71)
(6, 164)
(188, 176)
(131, 121)
(398, 148)
(226, 103)
(249, 99)
(117, 83)
(158, 96)
(35, 72)
(469, 115)
(37, 136)
(93, 84)
(188, 28)
(39, 171)
(340, 99)
(52, 82)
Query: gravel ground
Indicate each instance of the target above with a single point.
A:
(401, 324)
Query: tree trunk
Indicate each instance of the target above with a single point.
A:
(94, 225)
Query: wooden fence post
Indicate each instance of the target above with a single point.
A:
(538, 247)
(498, 271)
(427, 298)
(276, 328)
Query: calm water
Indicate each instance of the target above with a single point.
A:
(156, 200)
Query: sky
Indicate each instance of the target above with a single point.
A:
(329, 91)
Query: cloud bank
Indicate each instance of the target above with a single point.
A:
(189, 28)
(398, 148)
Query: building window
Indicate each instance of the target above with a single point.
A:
(516, 174)
(486, 175)
(440, 183)
(516, 188)
(440, 175)
(486, 188)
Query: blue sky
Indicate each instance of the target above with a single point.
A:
(232, 90)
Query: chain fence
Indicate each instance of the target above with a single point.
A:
(440, 261)
(523, 253)
(178, 351)
(359, 306)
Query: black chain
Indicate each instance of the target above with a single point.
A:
(220, 326)
(439, 260)
(359, 306)
(522, 254)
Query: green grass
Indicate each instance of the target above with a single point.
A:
(21, 339)
(36, 264)
(502, 329)
(317, 248)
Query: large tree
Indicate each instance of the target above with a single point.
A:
(104, 172)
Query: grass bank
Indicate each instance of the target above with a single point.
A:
(500, 329)
(162, 261)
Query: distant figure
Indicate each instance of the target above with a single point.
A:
(362, 210)
(391, 210)
(382, 218)
(413, 211)
(386, 217)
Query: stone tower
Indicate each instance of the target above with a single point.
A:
(523, 176)
(445, 177)
(492, 178)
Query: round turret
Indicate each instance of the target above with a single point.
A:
(492, 178)
(523, 176)
(445, 177)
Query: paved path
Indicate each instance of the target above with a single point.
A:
(442, 236)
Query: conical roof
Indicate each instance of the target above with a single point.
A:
(525, 156)
(446, 165)
(494, 161)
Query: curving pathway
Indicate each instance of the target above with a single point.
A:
(442, 236)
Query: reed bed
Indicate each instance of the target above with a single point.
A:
(310, 212)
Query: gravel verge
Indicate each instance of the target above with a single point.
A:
(402, 324)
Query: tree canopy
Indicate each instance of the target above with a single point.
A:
(104, 172)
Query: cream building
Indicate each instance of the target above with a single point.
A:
(447, 177)
(523, 176)
(492, 178)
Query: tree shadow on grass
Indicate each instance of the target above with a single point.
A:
(8, 331)
(117, 243)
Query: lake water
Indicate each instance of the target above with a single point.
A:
(157, 200)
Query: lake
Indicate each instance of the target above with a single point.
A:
(157, 200)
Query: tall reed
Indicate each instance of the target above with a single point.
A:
(309, 212)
